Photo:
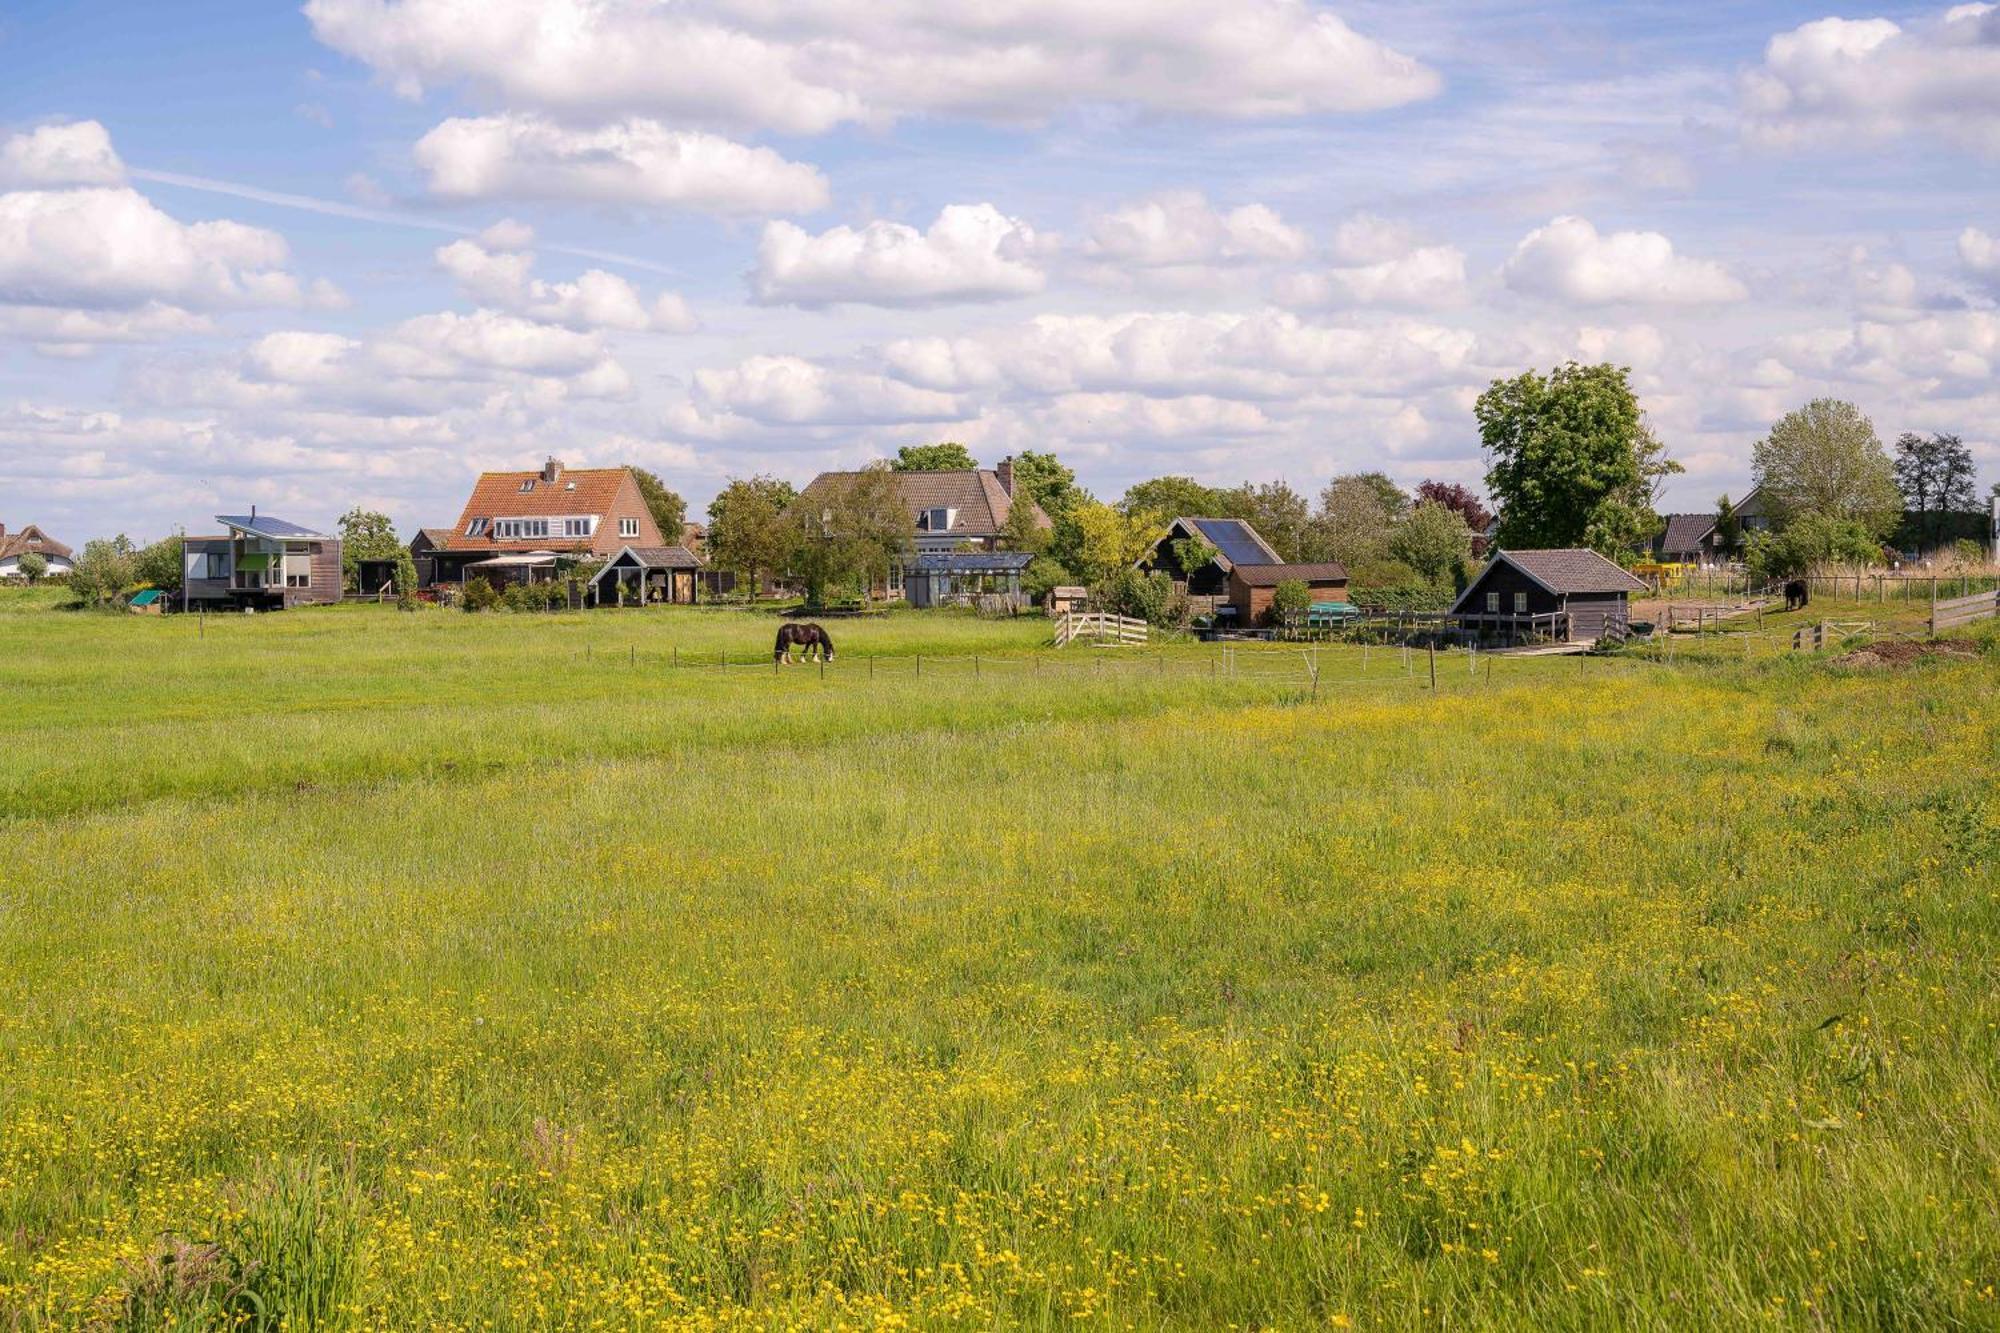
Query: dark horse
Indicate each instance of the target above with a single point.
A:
(807, 638)
(1795, 595)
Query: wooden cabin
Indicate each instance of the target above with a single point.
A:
(1574, 596)
(647, 576)
(1252, 587)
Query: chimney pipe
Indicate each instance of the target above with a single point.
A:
(1005, 472)
(551, 470)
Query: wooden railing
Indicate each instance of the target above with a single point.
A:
(1099, 627)
(1956, 611)
(1546, 627)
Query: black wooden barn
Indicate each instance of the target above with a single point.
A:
(1574, 596)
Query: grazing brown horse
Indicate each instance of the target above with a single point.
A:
(807, 638)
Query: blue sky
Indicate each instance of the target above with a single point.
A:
(355, 253)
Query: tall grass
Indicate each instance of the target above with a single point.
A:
(1607, 994)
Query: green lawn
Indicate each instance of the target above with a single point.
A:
(397, 971)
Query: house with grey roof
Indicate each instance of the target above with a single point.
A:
(1572, 595)
(260, 563)
(957, 510)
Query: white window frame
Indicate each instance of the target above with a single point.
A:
(938, 519)
(1492, 603)
(520, 529)
(285, 566)
(579, 527)
(628, 527)
(1520, 603)
(476, 528)
(527, 486)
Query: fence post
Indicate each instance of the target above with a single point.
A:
(677, 654)
(1434, 664)
(631, 654)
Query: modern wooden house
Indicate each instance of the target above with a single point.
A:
(260, 563)
(1688, 539)
(32, 540)
(1574, 596)
(1235, 543)
(516, 526)
(647, 576)
(1252, 587)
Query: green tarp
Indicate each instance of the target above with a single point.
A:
(253, 563)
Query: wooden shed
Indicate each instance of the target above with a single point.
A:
(1575, 596)
(1251, 587)
(646, 576)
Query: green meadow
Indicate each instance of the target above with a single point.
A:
(362, 970)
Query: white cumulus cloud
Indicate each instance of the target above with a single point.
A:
(972, 252)
(596, 300)
(791, 391)
(1570, 260)
(1181, 227)
(807, 67)
(1836, 80)
(637, 162)
(76, 153)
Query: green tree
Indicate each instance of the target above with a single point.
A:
(1192, 555)
(1042, 574)
(1356, 516)
(1433, 540)
(406, 580)
(1164, 499)
(104, 570)
(33, 566)
(747, 532)
(1825, 460)
(1572, 461)
(669, 511)
(1281, 515)
(1809, 542)
(1937, 476)
(946, 457)
(1109, 540)
(1044, 478)
(849, 533)
(161, 565)
(1289, 600)
(365, 534)
(1728, 530)
(1021, 532)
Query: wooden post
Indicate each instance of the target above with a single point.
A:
(920, 666)
(1434, 665)
(631, 654)
(677, 654)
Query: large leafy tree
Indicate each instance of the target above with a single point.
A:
(1161, 500)
(1281, 515)
(1728, 529)
(1937, 476)
(746, 526)
(669, 511)
(1051, 485)
(1357, 512)
(365, 534)
(104, 569)
(948, 456)
(1108, 541)
(1433, 540)
(1461, 500)
(33, 566)
(847, 533)
(1824, 459)
(161, 565)
(1571, 460)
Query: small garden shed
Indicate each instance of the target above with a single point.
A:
(1571, 595)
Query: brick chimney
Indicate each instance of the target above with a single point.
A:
(1005, 472)
(552, 470)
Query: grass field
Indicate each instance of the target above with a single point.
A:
(437, 971)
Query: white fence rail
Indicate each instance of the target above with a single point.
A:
(1099, 627)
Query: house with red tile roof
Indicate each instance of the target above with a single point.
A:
(516, 525)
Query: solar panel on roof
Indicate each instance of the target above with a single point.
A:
(1236, 545)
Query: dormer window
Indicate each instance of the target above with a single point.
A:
(476, 528)
(937, 520)
(527, 485)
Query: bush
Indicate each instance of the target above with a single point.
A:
(480, 594)
(1043, 573)
(551, 595)
(33, 567)
(1290, 599)
(1810, 541)
(406, 581)
(1394, 586)
(1130, 593)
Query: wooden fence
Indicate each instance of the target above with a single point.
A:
(1099, 627)
(1956, 611)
